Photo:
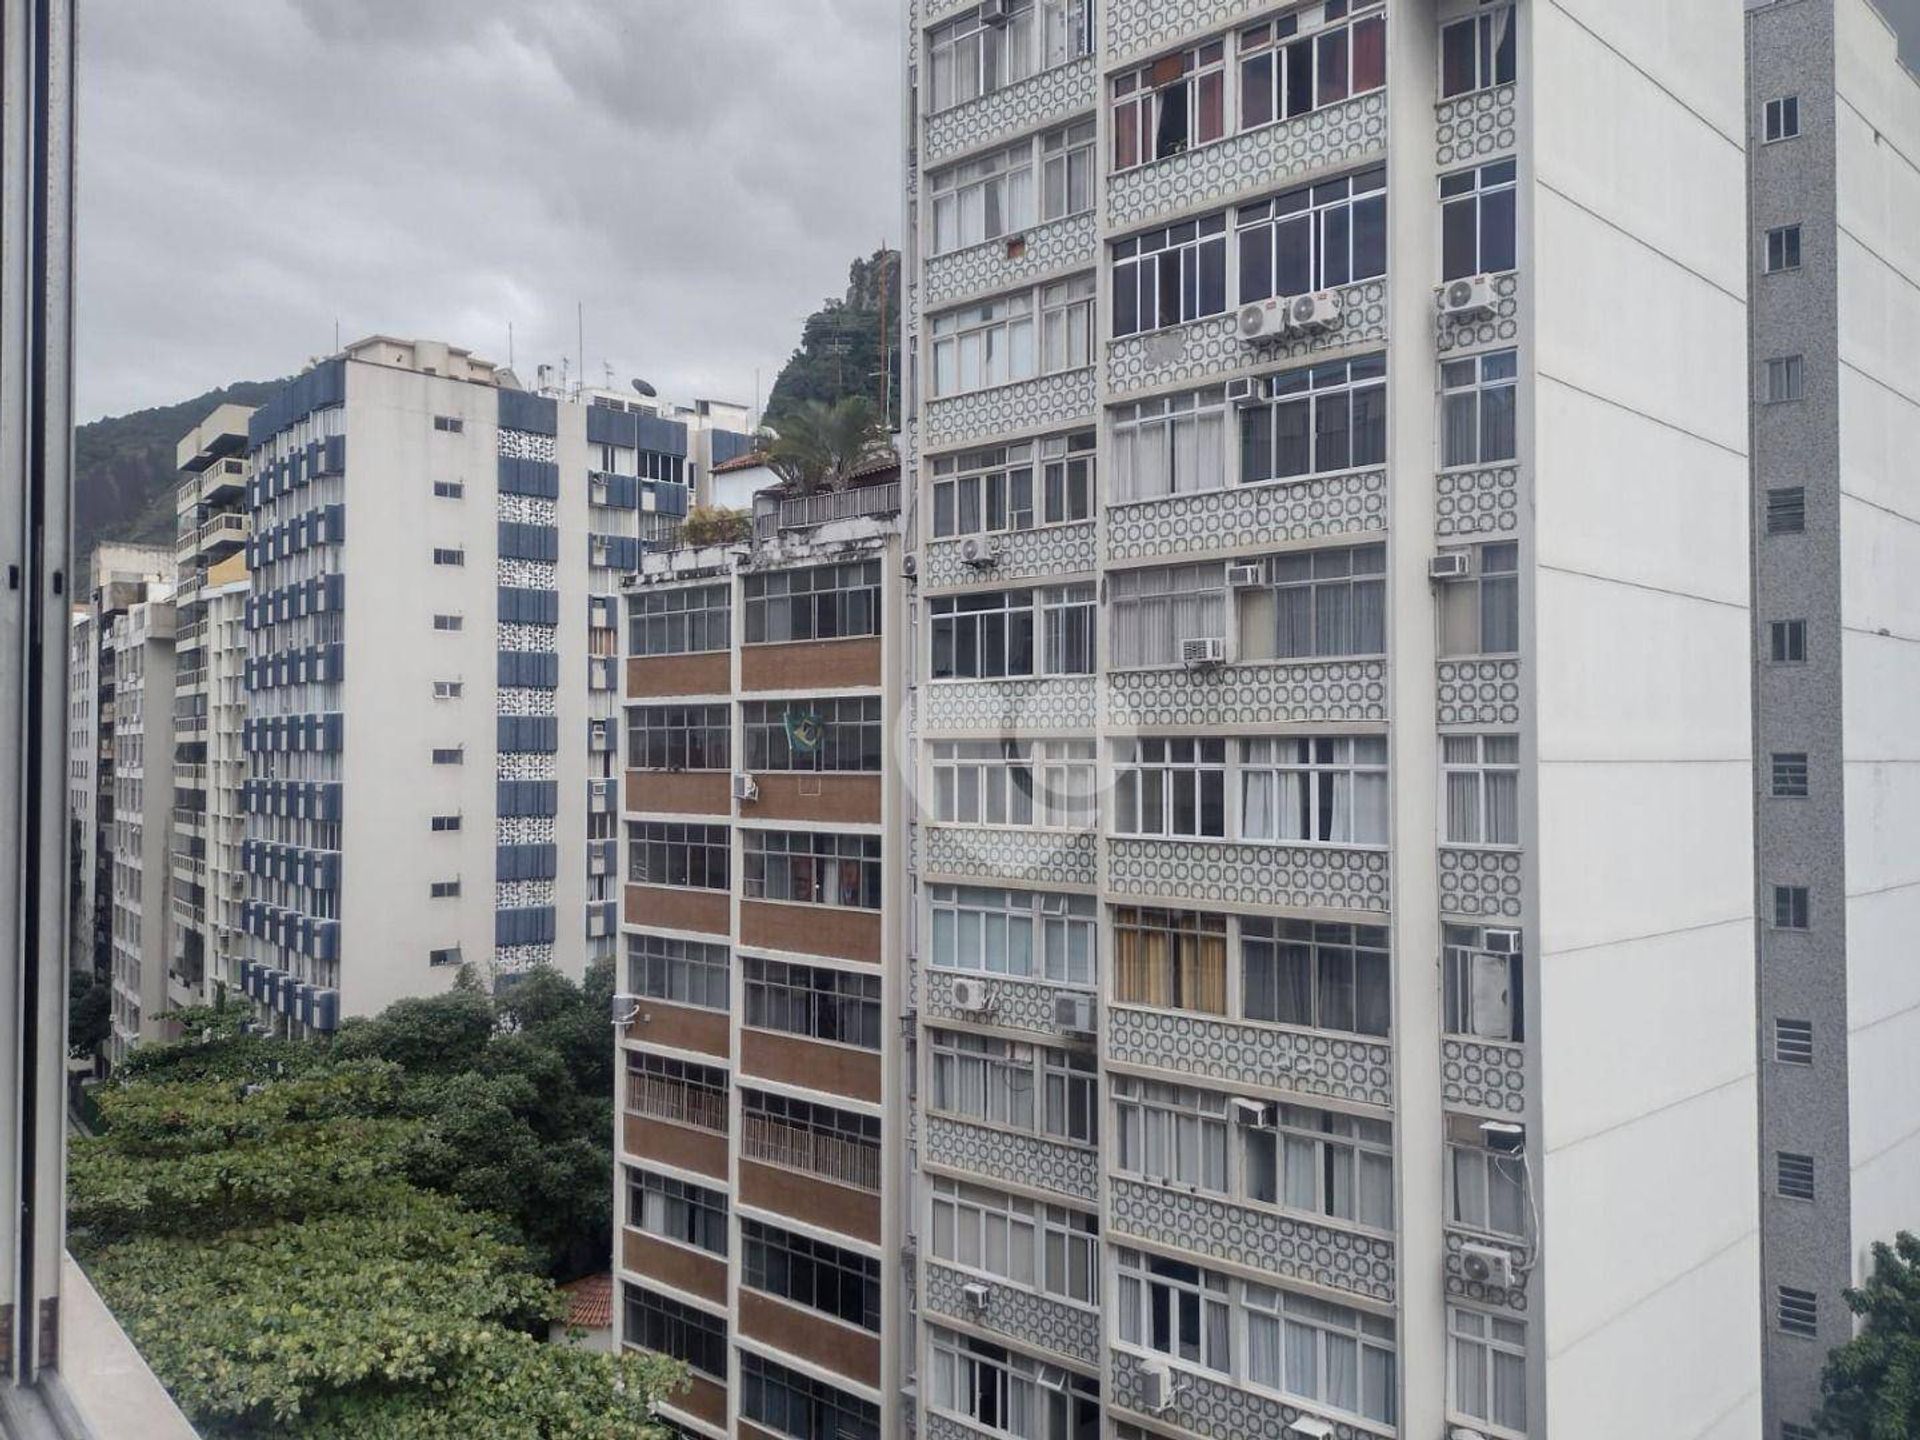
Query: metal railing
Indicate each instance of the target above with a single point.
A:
(678, 1102)
(805, 511)
(845, 1162)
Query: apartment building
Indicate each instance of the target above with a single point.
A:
(139, 846)
(209, 708)
(762, 1080)
(430, 631)
(83, 779)
(1833, 129)
(1332, 976)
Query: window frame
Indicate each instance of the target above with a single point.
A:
(1159, 778)
(688, 855)
(1780, 119)
(1059, 791)
(1486, 601)
(1183, 267)
(685, 1214)
(1494, 52)
(817, 863)
(666, 968)
(1345, 234)
(1485, 776)
(1049, 952)
(1784, 252)
(1488, 1338)
(817, 1003)
(1364, 952)
(847, 608)
(663, 620)
(1489, 195)
(1483, 387)
(677, 738)
(1321, 769)
(1156, 613)
(852, 726)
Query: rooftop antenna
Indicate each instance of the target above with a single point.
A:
(509, 344)
(336, 334)
(580, 337)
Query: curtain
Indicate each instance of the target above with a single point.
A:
(1503, 807)
(1333, 620)
(1300, 1180)
(1460, 429)
(1263, 1349)
(1369, 633)
(1369, 809)
(1463, 809)
(1257, 818)
(1343, 1372)
(1302, 1357)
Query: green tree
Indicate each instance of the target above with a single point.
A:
(846, 345)
(820, 447)
(1870, 1389)
(428, 1035)
(89, 1013)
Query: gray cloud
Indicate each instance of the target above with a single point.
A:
(254, 170)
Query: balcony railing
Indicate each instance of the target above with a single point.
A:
(805, 511)
(682, 1104)
(845, 1162)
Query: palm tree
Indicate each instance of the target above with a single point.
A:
(820, 448)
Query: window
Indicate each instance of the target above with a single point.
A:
(1066, 478)
(814, 1002)
(681, 972)
(1319, 1351)
(1799, 1311)
(447, 689)
(984, 345)
(1066, 324)
(1786, 379)
(443, 889)
(1488, 1379)
(449, 755)
(1787, 510)
(449, 489)
(1480, 615)
(443, 823)
(1066, 170)
(1152, 611)
(1014, 932)
(1170, 786)
(679, 737)
(992, 490)
(690, 619)
(1790, 907)
(1166, 107)
(1330, 790)
(1006, 1392)
(1793, 1042)
(1170, 959)
(1477, 409)
(1067, 629)
(1284, 73)
(1318, 976)
(812, 1273)
(1170, 276)
(449, 556)
(675, 1090)
(1174, 1308)
(1793, 1176)
(655, 1322)
(1314, 238)
(1014, 782)
(970, 57)
(843, 735)
(1477, 221)
(804, 868)
(449, 424)
(669, 853)
(1787, 641)
(1320, 1162)
(675, 1210)
(1481, 779)
(828, 602)
(1783, 249)
(1478, 53)
(1042, 1247)
(1171, 1133)
(983, 198)
(1319, 420)
(994, 1081)
(1170, 445)
(1487, 1189)
(834, 1144)
(1484, 976)
(448, 956)
(1789, 775)
(1782, 118)
(448, 622)
(800, 1407)
(982, 636)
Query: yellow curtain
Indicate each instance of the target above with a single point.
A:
(1142, 964)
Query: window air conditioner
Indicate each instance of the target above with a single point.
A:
(1450, 565)
(1250, 390)
(744, 789)
(1247, 577)
(1210, 650)
(975, 1297)
(1053, 904)
(971, 996)
(1501, 942)
(1156, 1385)
(1469, 298)
(1309, 313)
(1308, 1427)
(1263, 320)
(1256, 1113)
(1504, 1136)
(996, 12)
(981, 554)
(1073, 1014)
(1487, 1265)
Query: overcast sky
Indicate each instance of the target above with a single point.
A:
(698, 174)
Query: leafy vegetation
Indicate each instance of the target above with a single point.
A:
(319, 1240)
(1871, 1386)
(843, 344)
(821, 447)
(715, 525)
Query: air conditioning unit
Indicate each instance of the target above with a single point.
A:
(625, 1009)
(1450, 565)
(1308, 1427)
(1463, 1432)
(975, 1297)
(1263, 320)
(1503, 1136)
(1156, 1386)
(744, 789)
(1307, 314)
(1469, 298)
(1247, 391)
(1053, 904)
(1247, 577)
(971, 996)
(1073, 1014)
(1209, 651)
(980, 554)
(1500, 942)
(996, 12)
(1487, 1265)
(1256, 1113)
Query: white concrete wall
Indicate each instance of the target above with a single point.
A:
(1878, 157)
(1640, 615)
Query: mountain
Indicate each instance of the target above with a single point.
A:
(840, 345)
(123, 475)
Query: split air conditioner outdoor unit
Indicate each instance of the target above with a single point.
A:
(745, 789)
(1210, 650)
(1468, 298)
(980, 554)
(1263, 320)
(1307, 314)
(1487, 1265)
(1450, 565)
(971, 996)
(1246, 577)
(1073, 1014)
(1156, 1386)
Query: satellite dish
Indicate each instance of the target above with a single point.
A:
(643, 388)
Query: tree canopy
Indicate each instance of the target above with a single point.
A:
(1871, 1386)
(821, 447)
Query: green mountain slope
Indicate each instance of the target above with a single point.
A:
(840, 346)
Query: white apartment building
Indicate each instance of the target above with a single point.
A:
(1333, 980)
(431, 622)
(83, 780)
(140, 638)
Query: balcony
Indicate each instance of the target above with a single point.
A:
(838, 1162)
(1028, 1318)
(1216, 1409)
(1024, 407)
(1048, 552)
(675, 1128)
(1267, 692)
(807, 512)
(1017, 109)
(1234, 520)
(1298, 877)
(1041, 252)
(1043, 704)
(1019, 1003)
(985, 852)
(1015, 1156)
(1310, 1063)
